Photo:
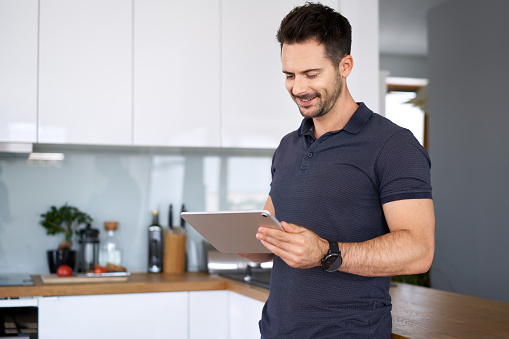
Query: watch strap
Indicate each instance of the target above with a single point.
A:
(332, 261)
(333, 247)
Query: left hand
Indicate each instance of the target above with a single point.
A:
(298, 246)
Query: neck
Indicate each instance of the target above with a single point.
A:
(338, 117)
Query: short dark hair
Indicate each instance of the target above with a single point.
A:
(320, 22)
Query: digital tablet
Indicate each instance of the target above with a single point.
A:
(232, 231)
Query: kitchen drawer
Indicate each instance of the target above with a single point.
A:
(136, 315)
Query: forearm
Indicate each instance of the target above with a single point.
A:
(400, 252)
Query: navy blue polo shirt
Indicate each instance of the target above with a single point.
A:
(336, 186)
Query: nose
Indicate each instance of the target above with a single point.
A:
(299, 86)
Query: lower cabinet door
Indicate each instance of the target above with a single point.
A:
(245, 313)
(137, 315)
(208, 314)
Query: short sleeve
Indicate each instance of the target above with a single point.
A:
(403, 169)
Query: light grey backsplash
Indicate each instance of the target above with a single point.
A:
(123, 186)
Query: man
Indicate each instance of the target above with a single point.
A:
(352, 191)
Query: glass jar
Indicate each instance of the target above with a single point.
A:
(110, 251)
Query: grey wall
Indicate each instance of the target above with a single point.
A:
(123, 186)
(469, 148)
(409, 66)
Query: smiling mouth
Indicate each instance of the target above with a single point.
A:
(306, 100)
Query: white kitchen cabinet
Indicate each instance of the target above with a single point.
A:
(18, 70)
(85, 72)
(176, 73)
(223, 314)
(256, 108)
(139, 315)
(158, 72)
(245, 313)
(208, 314)
(197, 314)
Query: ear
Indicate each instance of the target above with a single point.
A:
(345, 66)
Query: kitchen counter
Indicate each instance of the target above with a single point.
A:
(417, 312)
(420, 312)
(138, 283)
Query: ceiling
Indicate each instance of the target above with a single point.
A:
(403, 26)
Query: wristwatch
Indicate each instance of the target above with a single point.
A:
(332, 260)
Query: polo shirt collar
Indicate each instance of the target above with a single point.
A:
(353, 126)
(358, 119)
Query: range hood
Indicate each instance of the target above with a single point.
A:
(16, 151)
(15, 148)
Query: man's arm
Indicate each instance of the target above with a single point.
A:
(261, 257)
(407, 249)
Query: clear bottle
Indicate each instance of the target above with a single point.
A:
(155, 245)
(110, 250)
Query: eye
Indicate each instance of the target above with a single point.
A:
(289, 77)
(312, 76)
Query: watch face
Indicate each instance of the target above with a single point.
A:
(332, 262)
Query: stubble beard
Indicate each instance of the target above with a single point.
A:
(325, 105)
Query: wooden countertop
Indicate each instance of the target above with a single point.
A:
(138, 283)
(420, 312)
(417, 312)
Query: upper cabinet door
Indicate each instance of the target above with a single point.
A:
(18, 70)
(257, 109)
(176, 73)
(85, 72)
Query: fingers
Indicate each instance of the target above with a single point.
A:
(284, 240)
(290, 258)
(290, 228)
(275, 233)
(296, 246)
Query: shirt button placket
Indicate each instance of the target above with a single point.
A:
(306, 159)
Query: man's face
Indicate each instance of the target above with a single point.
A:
(311, 79)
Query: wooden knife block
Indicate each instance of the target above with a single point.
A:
(174, 260)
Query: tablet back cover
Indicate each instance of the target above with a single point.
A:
(232, 231)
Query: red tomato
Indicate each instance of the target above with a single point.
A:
(98, 269)
(64, 271)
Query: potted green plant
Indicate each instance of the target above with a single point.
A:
(65, 219)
